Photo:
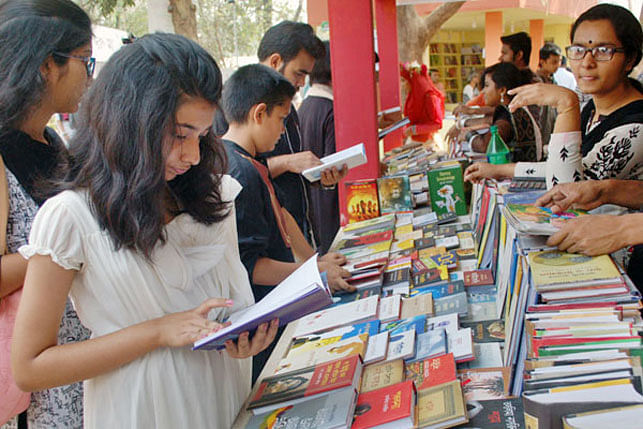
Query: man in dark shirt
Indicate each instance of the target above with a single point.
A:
(291, 48)
(257, 100)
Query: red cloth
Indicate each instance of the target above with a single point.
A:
(477, 101)
(424, 103)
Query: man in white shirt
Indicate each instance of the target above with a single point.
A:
(564, 77)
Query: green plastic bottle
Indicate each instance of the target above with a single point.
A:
(497, 151)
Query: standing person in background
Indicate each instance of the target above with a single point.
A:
(318, 136)
(434, 74)
(45, 67)
(564, 77)
(292, 48)
(548, 62)
(471, 89)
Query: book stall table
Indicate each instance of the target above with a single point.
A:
(487, 322)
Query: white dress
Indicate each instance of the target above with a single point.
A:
(169, 387)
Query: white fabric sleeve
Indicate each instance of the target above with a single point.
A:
(565, 161)
(56, 233)
(530, 169)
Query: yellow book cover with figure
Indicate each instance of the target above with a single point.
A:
(551, 267)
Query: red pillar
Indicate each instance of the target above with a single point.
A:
(352, 63)
(389, 75)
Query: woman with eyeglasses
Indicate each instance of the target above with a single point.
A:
(45, 67)
(605, 140)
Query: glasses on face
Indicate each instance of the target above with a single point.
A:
(90, 62)
(600, 53)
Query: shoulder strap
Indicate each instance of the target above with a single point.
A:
(4, 208)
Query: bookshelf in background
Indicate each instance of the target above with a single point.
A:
(455, 61)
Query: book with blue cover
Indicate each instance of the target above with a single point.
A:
(418, 323)
(440, 290)
(430, 344)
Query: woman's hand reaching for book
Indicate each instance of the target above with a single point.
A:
(245, 346)
(479, 171)
(184, 328)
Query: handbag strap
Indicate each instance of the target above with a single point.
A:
(537, 134)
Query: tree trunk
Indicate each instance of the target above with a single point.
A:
(415, 32)
(184, 18)
(267, 14)
(298, 11)
(158, 16)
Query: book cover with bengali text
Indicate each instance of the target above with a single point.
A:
(361, 200)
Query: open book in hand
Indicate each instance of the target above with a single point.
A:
(352, 157)
(301, 293)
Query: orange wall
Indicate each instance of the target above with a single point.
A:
(537, 34)
(557, 7)
(317, 12)
(493, 31)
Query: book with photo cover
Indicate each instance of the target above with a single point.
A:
(487, 331)
(313, 382)
(331, 411)
(361, 200)
(301, 293)
(394, 193)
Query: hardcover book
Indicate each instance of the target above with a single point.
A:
(447, 190)
(301, 293)
(394, 194)
(416, 306)
(485, 383)
(382, 374)
(377, 348)
(441, 406)
(393, 406)
(363, 310)
(401, 346)
(307, 383)
(431, 372)
(389, 308)
(440, 290)
(461, 345)
(361, 200)
(430, 344)
(330, 412)
(456, 303)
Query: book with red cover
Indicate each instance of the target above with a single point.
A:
(364, 240)
(431, 372)
(361, 200)
(478, 278)
(393, 404)
(306, 383)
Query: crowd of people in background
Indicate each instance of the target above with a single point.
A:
(180, 199)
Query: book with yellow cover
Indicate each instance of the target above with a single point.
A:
(382, 374)
(441, 406)
(552, 269)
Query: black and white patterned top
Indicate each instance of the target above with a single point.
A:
(60, 407)
(616, 154)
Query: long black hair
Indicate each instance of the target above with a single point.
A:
(30, 31)
(125, 127)
(626, 26)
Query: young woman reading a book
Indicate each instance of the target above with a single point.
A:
(144, 240)
(605, 140)
(45, 67)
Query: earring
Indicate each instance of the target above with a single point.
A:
(502, 98)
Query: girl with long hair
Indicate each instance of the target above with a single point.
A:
(45, 67)
(142, 238)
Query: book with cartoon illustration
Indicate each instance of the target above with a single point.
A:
(447, 190)
(530, 219)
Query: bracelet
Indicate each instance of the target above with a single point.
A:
(329, 188)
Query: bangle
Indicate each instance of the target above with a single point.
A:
(329, 188)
